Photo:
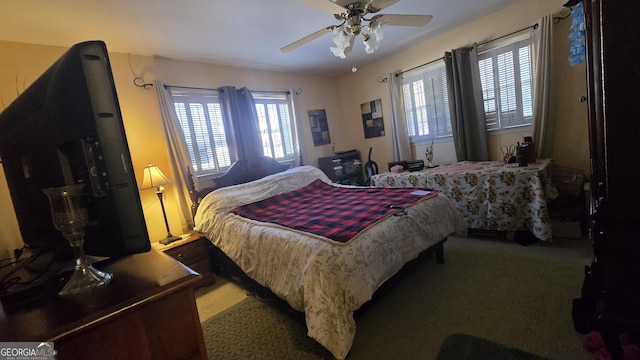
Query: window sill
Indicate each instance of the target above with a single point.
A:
(423, 142)
(510, 130)
(494, 132)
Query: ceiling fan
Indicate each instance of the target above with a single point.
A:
(352, 14)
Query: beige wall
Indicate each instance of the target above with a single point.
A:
(21, 64)
(570, 140)
(341, 97)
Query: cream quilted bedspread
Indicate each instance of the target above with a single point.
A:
(325, 280)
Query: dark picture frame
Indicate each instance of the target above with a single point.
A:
(372, 121)
(319, 127)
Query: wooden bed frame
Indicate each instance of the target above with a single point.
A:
(239, 172)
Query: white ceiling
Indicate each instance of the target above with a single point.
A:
(246, 33)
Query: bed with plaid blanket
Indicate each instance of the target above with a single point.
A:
(336, 213)
(327, 280)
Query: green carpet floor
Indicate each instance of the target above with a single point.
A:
(467, 347)
(513, 295)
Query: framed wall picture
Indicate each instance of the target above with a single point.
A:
(372, 120)
(319, 127)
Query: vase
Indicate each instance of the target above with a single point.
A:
(70, 217)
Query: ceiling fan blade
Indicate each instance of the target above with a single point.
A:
(377, 5)
(306, 39)
(404, 20)
(326, 5)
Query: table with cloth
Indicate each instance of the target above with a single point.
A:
(491, 195)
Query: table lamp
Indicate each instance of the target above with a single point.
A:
(154, 178)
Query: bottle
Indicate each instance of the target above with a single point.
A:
(531, 149)
(522, 154)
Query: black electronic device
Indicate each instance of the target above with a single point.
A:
(66, 128)
(408, 165)
(415, 165)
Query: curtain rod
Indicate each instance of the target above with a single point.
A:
(201, 88)
(287, 92)
(187, 87)
(419, 66)
(534, 26)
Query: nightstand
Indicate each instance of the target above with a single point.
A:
(193, 252)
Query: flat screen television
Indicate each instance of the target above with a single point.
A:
(64, 129)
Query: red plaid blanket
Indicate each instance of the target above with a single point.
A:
(333, 212)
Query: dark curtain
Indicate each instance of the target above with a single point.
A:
(241, 122)
(466, 105)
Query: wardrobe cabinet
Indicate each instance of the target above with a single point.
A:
(613, 79)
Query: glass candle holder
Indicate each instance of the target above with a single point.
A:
(69, 215)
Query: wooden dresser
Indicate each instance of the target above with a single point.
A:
(343, 168)
(147, 311)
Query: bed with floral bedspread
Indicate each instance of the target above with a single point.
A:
(325, 279)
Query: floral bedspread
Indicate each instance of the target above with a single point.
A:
(325, 280)
(490, 195)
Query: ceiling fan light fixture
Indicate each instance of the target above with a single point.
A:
(371, 44)
(352, 16)
(378, 28)
(343, 40)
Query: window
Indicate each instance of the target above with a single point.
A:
(505, 74)
(276, 130)
(427, 104)
(200, 115)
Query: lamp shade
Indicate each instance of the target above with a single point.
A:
(153, 178)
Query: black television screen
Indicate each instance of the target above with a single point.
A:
(66, 128)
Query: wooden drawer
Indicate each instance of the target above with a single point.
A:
(190, 252)
(194, 253)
